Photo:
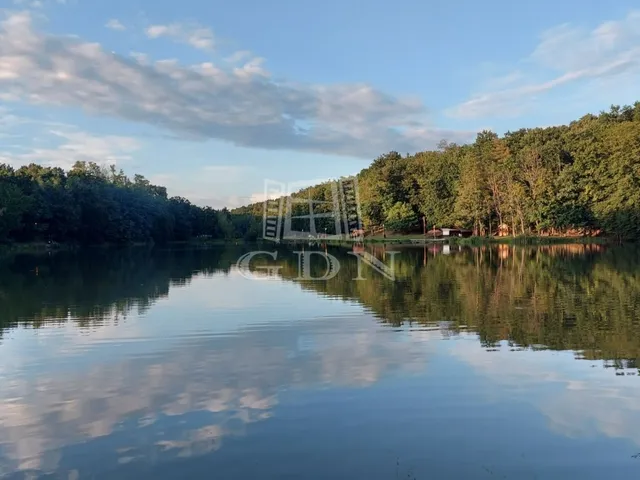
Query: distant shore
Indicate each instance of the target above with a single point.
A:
(469, 241)
(519, 240)
(43, 247)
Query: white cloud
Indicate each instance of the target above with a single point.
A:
(262, 196)
(76, 146)
(8, 120)
(202, 197)
(241, 106)
(252, 68)
(217, 201)
(156, 31)
(115, 24)
(238, 56)
(37, 3)
(28, 3)
(194, 35)
(141, 58)
(566, 55)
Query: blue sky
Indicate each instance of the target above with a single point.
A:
(212, 97)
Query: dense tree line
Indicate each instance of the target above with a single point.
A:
(583, 177)
(93, 205)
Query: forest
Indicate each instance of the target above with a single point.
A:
(92, 205)
(582, 178)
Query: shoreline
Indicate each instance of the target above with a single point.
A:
(469, 241)
(43, 247)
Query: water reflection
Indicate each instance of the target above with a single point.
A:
(185, 400)
(583, 298)
(115, 361)
(579, 403)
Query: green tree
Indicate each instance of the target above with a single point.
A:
(401, 218)
(473, 199)
(12, 207)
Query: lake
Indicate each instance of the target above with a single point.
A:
(492, 362)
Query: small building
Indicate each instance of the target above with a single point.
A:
(456, 232)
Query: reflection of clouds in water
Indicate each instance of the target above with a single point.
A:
(53, 343)
(607, 405)
(580, 400)
(229, 381)
(232, 291)
(228, 291)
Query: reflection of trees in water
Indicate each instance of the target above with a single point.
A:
(567, 297)
(98, 284)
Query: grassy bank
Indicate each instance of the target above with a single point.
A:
(37, 247)
(529, 240)
(519, 240)
(44, 247)
(34, 247)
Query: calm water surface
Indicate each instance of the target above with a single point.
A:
(477, 363)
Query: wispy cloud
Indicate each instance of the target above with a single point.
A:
(115, 24)
(194, 35)
(37, 3)
(260, 197)
(75, 145)
(565, 55)
(238, 56)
